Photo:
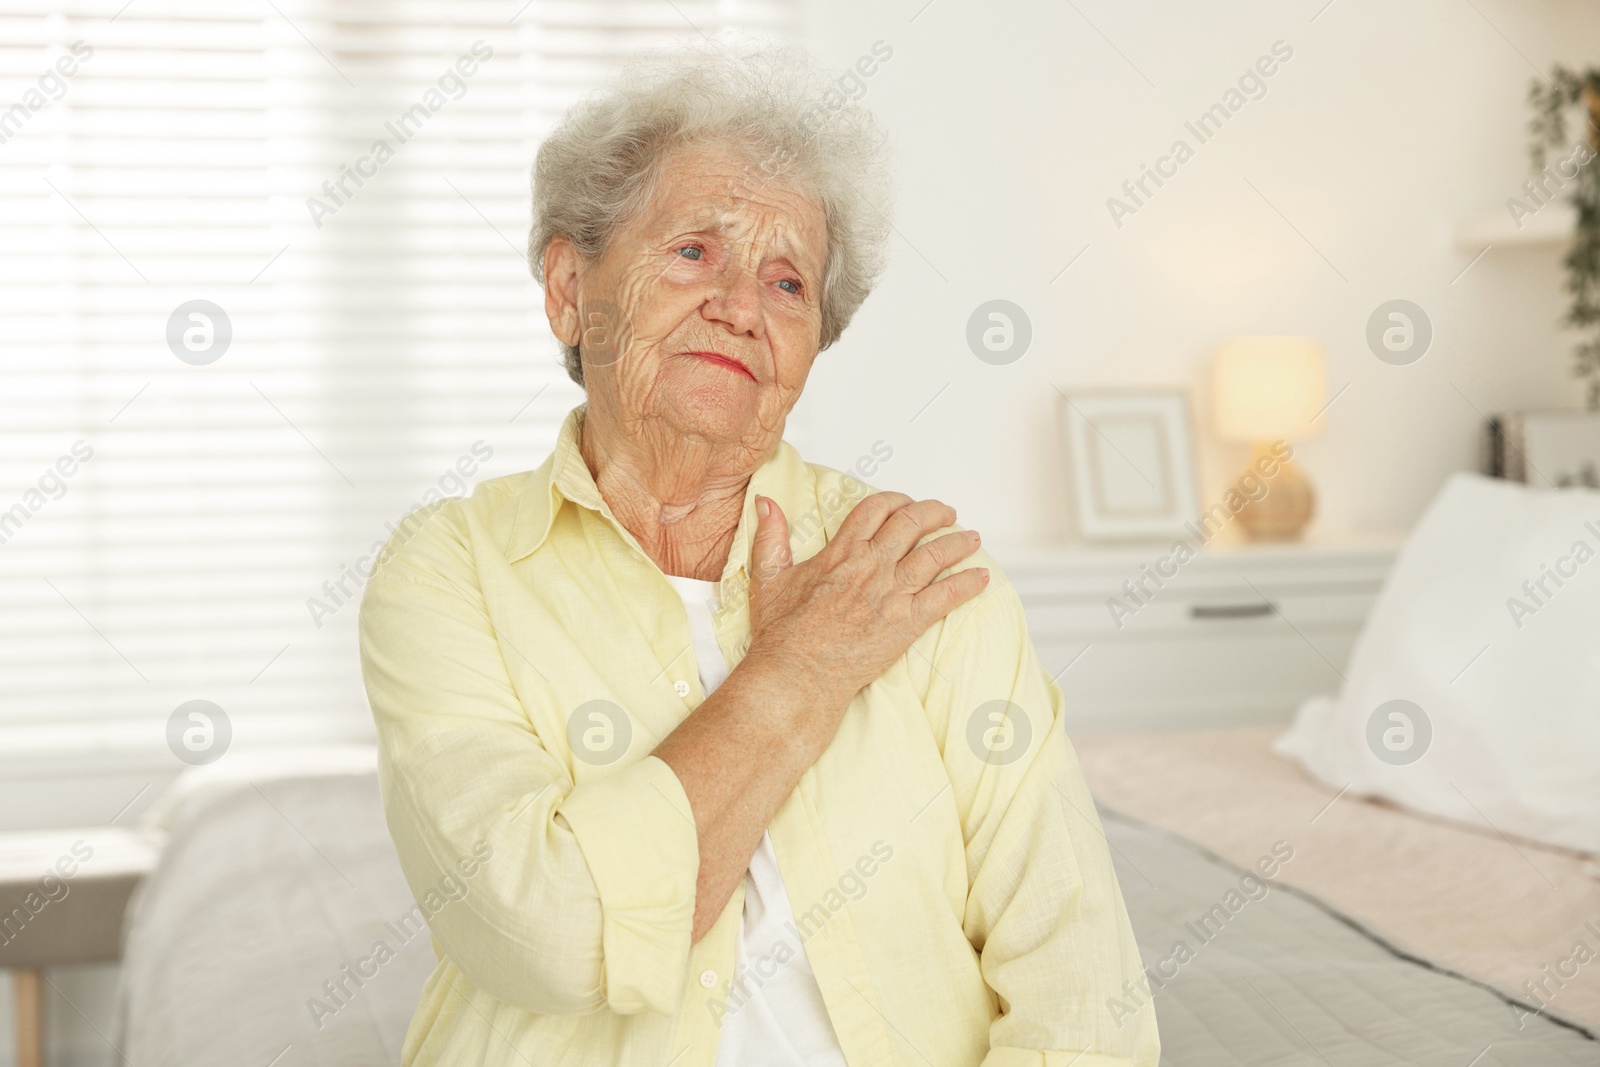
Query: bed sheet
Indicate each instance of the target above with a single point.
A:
(1522, 916)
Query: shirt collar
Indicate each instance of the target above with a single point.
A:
(564, 476)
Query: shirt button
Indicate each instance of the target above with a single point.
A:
(681, 687)
(708, 978)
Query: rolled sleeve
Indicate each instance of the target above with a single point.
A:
(637, 833)
(588, 899)
(1044, 910)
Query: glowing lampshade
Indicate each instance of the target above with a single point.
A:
(1269, 388)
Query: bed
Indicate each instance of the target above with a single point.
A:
(1286, 979)
(1505, 910)
(239, 942)
(1285, 914)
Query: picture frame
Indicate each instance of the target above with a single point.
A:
(1132, 457)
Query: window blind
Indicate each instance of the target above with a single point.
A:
(262, 293)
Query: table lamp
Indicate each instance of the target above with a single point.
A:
(1267, 391)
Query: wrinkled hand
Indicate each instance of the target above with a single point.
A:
(842, 617)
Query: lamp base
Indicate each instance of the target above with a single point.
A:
(1288, 504)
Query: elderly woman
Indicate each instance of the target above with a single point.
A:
(727, 758)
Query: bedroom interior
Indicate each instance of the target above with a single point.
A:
(1256, 338)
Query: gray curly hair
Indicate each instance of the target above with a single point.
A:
(602, 162)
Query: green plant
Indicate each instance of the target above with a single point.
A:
(1551, 100)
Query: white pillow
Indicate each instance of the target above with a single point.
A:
(1502, 729)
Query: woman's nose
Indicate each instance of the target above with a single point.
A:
(736, 301)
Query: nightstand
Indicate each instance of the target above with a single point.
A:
(63, 894)
(1237, 635)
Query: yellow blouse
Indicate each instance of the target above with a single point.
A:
(953, 890)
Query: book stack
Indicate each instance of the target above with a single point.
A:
(1552, 448)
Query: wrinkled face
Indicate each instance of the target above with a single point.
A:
(703, 317)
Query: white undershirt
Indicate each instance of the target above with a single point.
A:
(783, 1022)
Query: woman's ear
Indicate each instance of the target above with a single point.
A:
(561, 263)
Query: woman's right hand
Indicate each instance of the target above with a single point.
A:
(842, 617)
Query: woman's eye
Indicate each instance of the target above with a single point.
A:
(690, 252)
(795, 286)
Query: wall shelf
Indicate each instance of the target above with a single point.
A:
(1552, 225)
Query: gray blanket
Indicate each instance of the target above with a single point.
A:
(255, 943)
(1266, 975)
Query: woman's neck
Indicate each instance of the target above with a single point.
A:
(681, 497)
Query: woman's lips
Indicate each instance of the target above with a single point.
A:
(731, 364)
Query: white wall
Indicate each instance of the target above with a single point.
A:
(1014, 122)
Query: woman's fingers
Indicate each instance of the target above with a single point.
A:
(947, 594)
(923, 563)
(866, 517)
(910, 524)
